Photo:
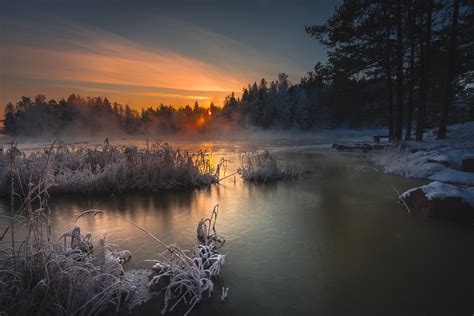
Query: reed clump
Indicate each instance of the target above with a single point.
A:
(108, 168)
(41, 276)
(186, 277)
(264, 167)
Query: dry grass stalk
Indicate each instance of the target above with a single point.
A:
(204, 227)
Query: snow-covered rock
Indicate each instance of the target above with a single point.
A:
(443, 200)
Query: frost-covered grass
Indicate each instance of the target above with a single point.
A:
(186, 277)
(404, 162)
(431, 159)
(48, 280)
(107, 168)
(183, 277)
(39, 275)
(263, 167)
(206, 229)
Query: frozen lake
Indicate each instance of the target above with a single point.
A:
(334, 242)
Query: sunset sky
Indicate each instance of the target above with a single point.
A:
(144, 53)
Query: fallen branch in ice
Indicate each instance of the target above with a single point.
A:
(401, 199)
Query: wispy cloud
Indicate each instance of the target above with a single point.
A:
(98, 57)
(56, 56)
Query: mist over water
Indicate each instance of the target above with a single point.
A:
(227, 140)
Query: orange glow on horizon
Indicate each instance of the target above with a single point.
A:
(116, 68)
(200, 122)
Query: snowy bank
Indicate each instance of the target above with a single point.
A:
(443, 200)
(446, 160)
(449, 175)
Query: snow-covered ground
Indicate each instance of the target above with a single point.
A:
(438, 160)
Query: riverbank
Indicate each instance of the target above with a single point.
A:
(448, 163)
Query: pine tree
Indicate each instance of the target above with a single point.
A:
(448, 94)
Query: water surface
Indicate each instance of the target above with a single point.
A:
(335, 242)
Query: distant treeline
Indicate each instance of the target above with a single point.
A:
(277, 104)
(390, 63)
(98, 116)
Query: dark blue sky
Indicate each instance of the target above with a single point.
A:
(147, 52)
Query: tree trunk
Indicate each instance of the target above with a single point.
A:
(448, 95)
(420, 113)
(425, 65)
(412, 19)
(398, 127)
(389, 87)
(390, 104)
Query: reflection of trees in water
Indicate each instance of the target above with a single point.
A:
(125, 203)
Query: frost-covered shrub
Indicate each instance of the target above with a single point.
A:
(51, 280)
(186, 277)
(107, 168)
(263, 167)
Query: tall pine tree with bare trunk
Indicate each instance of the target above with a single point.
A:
(449, 93)
(425, 51)
(411, 88)
(398, 126)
